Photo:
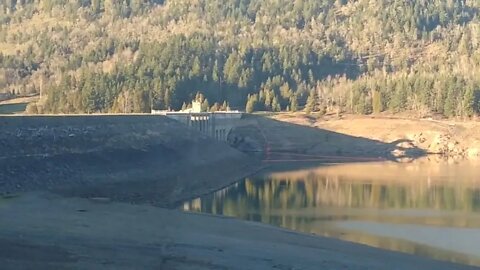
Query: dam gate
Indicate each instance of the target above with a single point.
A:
(214, 124)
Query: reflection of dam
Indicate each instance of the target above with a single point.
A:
(213, 124)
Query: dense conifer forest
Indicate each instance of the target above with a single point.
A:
(325, 56)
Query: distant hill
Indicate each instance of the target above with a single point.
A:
(362, 56)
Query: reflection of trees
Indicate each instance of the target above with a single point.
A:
(257, 198)
(276, 200)
(334, 191)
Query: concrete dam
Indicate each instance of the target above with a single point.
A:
(214, 124)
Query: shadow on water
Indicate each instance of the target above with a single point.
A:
(280, 141)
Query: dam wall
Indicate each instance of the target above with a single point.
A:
(214, 124)
(75, 152)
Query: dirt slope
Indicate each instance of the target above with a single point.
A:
(449, 138)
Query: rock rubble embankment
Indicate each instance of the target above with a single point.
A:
(76, 152)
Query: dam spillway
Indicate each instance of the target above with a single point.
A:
(214, 124)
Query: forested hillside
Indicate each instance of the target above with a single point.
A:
(354, 56)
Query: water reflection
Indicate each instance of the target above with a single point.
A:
(404, 207)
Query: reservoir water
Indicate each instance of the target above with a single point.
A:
(427, 207)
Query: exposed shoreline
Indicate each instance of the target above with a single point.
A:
(107, 209)
(73, 233)
(446, 138)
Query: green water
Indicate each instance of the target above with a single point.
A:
(428, 207)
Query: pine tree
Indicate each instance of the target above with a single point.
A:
(311, 105)
(293, 103)
(215, 72)
(251, 103)
(196, 68)
(275, 104)
(224, 106)
(377, 102)
(215, 107)
(469, 101)
(205, 105)
(449, 105)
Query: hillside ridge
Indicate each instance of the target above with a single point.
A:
(342, 56)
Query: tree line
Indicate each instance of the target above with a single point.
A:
(323, 56)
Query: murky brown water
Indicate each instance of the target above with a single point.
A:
(429, 208)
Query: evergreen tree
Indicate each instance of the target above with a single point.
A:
(377, 102)
(215, 107)
(275, 104)
(293, 103)
(205, 105)
(311, 105)
(251, 103)
(469, 102)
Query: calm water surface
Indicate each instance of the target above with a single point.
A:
(426, 207)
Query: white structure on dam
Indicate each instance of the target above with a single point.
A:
(214, 124)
